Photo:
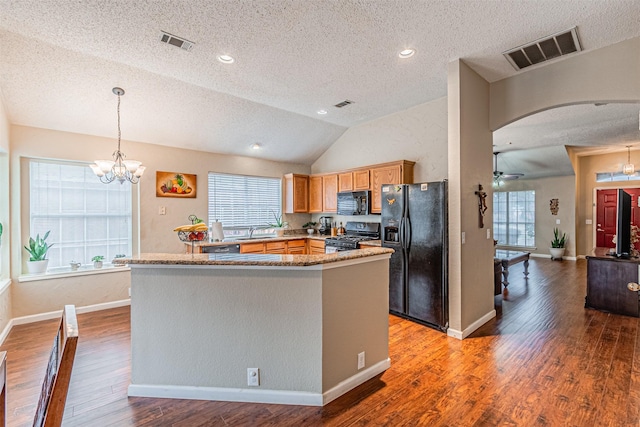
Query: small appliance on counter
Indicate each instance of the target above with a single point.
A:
(325, 225)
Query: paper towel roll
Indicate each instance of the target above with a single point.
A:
(217, 235)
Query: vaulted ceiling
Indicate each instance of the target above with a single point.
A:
(60, 59)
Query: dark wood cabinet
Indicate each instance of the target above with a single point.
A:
(607, 280)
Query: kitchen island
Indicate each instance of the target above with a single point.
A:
(315, 326)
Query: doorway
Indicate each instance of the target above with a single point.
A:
(606, 214)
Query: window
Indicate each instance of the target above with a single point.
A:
(514, 218)
(240, 202)
(86, 217)
(615, 176)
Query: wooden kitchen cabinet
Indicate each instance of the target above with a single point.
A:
(279, 247)
(315, 193)
(323, 191)
(296, 193)
(361, 180)
(316, 247)
(252, 248)
(391, 173)
(345, 181)
(330, 193)
(296, 247)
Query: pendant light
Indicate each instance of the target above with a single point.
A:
(628, 169)
(118, 168)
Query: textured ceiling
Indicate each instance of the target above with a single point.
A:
(60, 59)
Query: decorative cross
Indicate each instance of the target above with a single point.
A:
(482, 205)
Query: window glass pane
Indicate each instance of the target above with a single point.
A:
(244, 201)
(514, 218)
(85, 217)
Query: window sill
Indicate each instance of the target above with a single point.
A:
(67, 272)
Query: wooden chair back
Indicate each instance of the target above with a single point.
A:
(58, 375)
(3, 384)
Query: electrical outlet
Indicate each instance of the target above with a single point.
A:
(361, 360)
(558, 221)
(253, 377)
(464, 237)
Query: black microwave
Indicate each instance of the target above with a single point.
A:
(353, 203)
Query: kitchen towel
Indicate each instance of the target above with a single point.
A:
(217, 235)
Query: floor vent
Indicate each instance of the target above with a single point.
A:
(343, 103)
(175, 41)
(544, 49)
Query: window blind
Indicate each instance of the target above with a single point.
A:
(514, 218)
(243, 201)
(86, 217)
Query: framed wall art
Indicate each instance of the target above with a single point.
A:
(176, 184)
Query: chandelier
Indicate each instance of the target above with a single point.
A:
(628, 169)
(118, 168)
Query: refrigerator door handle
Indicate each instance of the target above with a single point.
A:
(407, 233)
(401, 233)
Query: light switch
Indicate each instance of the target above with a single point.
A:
(463, 237)
(488, 233)
(558, 221)
(162, 210)
(588, 222)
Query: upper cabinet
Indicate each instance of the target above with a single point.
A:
(345, 181)
(318, 193)
(391, 173)
(296, 193)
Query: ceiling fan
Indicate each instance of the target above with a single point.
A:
(499, 177)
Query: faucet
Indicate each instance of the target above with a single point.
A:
(251, 230)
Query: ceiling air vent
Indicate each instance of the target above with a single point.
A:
(544, 49)
(343, 103)
(175, 41)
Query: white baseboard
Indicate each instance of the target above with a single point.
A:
(472, 327)
(282, 397)
(56, 314)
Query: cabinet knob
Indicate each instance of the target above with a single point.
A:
(633, 286)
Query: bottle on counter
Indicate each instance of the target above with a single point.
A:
(341, 229)
(334, 229)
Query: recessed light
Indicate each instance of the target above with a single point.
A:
(226, 59)
(407, 53)
(322, 112)
(256, 146)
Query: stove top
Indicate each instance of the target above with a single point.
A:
(356, 232)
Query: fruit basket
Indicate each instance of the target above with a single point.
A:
(197, 231)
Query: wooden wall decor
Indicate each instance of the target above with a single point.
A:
(554, 205)
(482, 205)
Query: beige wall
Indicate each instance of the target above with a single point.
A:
(418, 134)
(155, 230)
(589, 166)
(5, 288)
(469, 153)
(561, 188)
(609, 74)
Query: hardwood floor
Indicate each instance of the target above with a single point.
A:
(544, 360)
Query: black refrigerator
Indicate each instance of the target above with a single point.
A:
(414, 224)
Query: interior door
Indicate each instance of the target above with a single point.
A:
(606, 202)
(606, 211)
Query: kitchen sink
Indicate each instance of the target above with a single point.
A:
(255, 238)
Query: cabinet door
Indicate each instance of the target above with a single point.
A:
(315, 194)
(252, 248)
(296, 247)
(316, 247)
(379, 177)
(296, 193)
(275, 247)
(607, 286)
(330, 193)
(345, 181)
(361, 180)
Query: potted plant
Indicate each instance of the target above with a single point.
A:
(310, 226)
(37, 249)
(97, 261)
(278, 224)
(557, 244)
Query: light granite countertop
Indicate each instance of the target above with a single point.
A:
(251, 259)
